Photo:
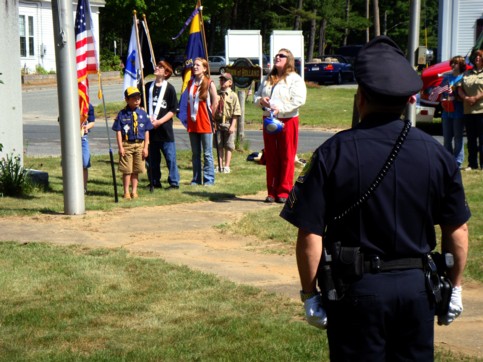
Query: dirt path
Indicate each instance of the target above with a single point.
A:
(185, 234)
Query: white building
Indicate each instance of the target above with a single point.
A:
(460, 24)
(37, 34)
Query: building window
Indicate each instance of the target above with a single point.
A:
(26, 30)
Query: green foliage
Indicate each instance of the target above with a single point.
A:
(14, 180)
(165, 20)
(41, 70)
(109, 61)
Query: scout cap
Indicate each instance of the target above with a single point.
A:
(131, 91)
(383, 71)
(226, 76)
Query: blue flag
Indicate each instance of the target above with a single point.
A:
(194, 49)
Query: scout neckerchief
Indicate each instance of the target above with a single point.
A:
(134, 125)
(155, 113)
(194, 102)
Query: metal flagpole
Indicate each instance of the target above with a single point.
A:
(111, 156)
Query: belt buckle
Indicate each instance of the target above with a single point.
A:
(375, 264)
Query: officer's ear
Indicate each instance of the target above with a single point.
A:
(361, 101)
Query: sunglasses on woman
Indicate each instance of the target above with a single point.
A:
(281, 55)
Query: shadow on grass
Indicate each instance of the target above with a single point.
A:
(214, 197)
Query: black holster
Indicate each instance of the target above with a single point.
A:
(339, 269)
(438, 284)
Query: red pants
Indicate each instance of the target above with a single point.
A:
(279, 152)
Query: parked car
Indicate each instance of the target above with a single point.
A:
(330, 68)
(266, 63)
(176, 61)
(217, 64)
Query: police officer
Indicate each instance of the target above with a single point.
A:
(384, 311)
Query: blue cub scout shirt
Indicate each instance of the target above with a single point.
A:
(124, 122)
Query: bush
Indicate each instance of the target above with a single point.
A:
(109, 61)
(14, 179)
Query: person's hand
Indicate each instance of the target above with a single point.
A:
(122, 152)
(470, 100)
(265, 102)
(145, 153)
(455, 308)
(231, 130)
(314, 313)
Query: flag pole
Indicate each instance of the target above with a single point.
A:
(138, 43)
(111, 156)
(153, 60)
(213, 127)
(202, 24)
(146, 28)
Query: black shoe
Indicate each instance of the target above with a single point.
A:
(155, 186)
(281, 200)
(269, 199)
(173, 187)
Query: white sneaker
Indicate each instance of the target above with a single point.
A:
(226, 169)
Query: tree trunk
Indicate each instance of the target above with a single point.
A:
(297, 24)
(377, 25)
(347, 13)
(313, 28)
(322, 43)
(368, 34)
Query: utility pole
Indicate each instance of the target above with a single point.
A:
(413, 44)
(69, 115)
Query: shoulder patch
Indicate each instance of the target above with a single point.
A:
(306, 170)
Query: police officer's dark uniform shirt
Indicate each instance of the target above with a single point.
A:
(124, 122)
(422, 188)
(163, 133)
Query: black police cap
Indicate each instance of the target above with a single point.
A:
(382, 70)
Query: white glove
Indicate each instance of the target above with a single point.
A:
(455, 307)
(314, 313)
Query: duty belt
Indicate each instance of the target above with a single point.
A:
(376, 265)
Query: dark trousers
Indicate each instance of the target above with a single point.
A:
(474, 135)
(384, 317)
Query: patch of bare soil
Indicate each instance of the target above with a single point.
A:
(185, 234)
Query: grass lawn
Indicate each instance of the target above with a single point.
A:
(77, 304)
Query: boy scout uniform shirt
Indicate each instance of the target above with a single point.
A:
(422, 188)
(124, 123)
(231, 106)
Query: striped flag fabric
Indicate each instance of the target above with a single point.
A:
(194, 49)
(86, 54)
(435, 93)
(132, 69)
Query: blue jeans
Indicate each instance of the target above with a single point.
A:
(86, 155)
(202, 142)
(453, 131)
(169, 151)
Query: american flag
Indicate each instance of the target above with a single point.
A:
(434, 95)
(86, 54)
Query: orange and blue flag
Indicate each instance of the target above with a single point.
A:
(194, 49)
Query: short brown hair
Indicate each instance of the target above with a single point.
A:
(460, 61)
(168, 70)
